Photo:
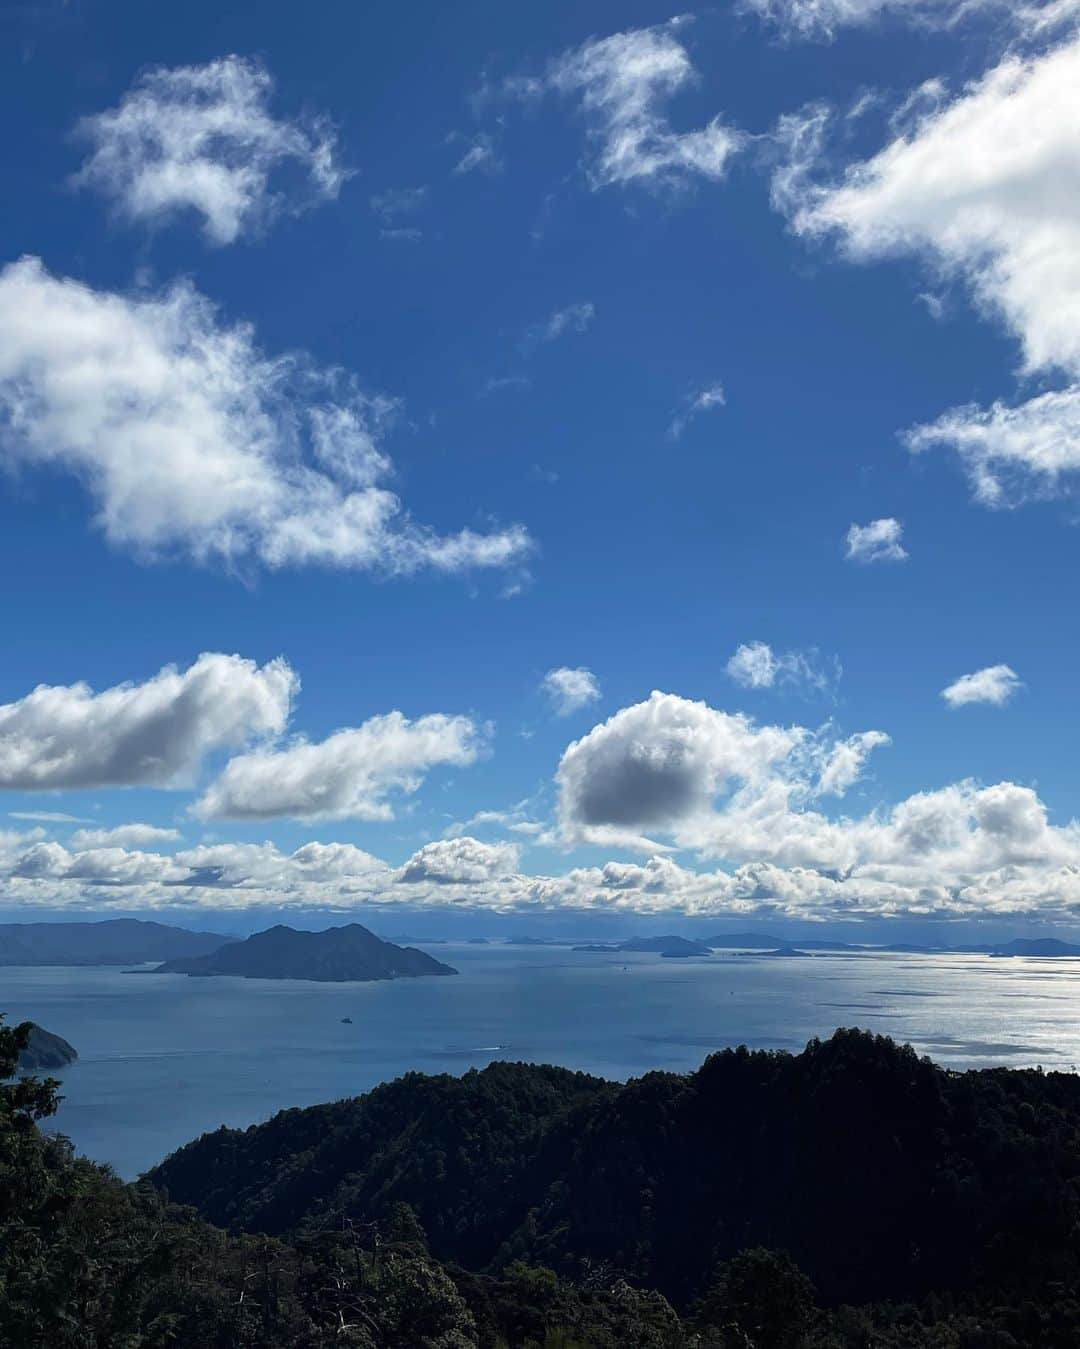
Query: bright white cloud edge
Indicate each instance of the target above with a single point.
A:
(995, 685)
(191, 441)
(202, 139)
(664, 774)
(956, 186)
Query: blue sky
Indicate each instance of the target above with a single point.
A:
(430, 350)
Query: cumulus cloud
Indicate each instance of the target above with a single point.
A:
(663, 774)
(879, 541)
(517, 820)
(756, 666)
(191, 441)
(123, 836)
(1011, 454)
(725, 787)
(960, 851)
(624, 83)
(460, 860)
(202, 139)
(845, 760)
(151, 734)
(996, 684)
(249, 873)
(349, 775)
(570, 689)
(705, 400)
(985, 185)
(660, 765)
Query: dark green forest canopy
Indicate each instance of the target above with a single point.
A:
(853, 1195)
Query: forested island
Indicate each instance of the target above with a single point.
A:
(851, 1196)
(43, 1050)
(338, 955)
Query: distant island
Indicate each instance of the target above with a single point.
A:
(338, 955)
(761, 943)
(116, 941)
(666, 946)
(1042, 946)
(44, 1050)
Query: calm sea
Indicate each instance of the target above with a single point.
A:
(163, 1058)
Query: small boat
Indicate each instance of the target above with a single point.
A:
(346, 1020)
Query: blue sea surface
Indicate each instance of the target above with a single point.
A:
(163, 1058)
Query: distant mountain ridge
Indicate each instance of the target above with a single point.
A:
(114, 941)
(336, 955)
(666, 945)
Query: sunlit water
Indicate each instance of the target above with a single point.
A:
(162, 1058)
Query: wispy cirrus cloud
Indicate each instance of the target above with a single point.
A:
(623, 84)
(395, 207)
(704, 400)
(202, 139)
(823, 19)
(573, 318)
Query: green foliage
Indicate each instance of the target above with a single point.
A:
(850, 1197)
(765, 1296)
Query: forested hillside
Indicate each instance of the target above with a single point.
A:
(849, 1196)
(883, 1175)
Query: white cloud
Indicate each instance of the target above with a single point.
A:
(725, 787)
(499, 383)
(1011, 454)
(461, 860)
(151, 734)
(394, 202)
(879, 541)
(190, 440)
(624, 82)
(123, 836)
(49, 816)
(518, 819)
(845, 760)
(995, 685)
(704, 401)
(659, 765)
(481, 155)
(570, 688)
(822, 18)
(756, 666)
(349, 775)
(960, 851)
(575, 318)
(202, 139)
(986, 186)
